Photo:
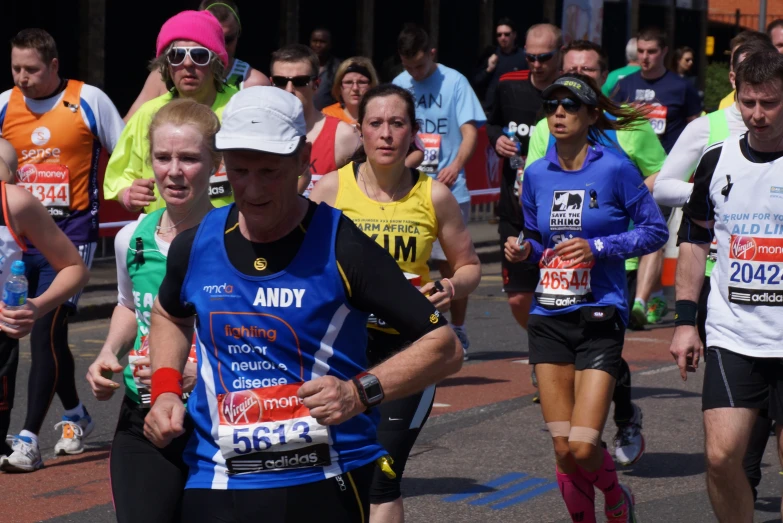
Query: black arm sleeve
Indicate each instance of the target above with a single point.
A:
(378, 286)
(169, 294)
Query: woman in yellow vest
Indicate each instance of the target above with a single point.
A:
(405, 211)
(191, 58)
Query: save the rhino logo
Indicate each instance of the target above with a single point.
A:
(566, 212)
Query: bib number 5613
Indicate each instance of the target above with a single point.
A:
(263, 437)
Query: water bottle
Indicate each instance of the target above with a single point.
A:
(516, 162)
(15, 288)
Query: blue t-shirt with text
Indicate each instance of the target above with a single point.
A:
(444, 102)
(670, 99)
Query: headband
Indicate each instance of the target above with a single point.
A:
(360, 69)
(236, 16)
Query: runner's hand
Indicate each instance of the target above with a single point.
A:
(575, 250)
(448, 175)
(505, 147)
(686, 349)
(141, 193)
(165, 421)
(441, 299)
(18, 323)
(143, 370)
(492, 63)
(514, 253)
(331, 400)
(189, 376)
(100, 373)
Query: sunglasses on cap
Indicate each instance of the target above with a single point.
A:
(297, 81)
(198, 55)
(543, 57)
(570, 105)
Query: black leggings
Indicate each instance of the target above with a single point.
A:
(341, 499)
(52, 368)
(9, 362)
(401, 420)
(147, 483)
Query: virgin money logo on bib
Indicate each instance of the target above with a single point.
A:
(241, 408)
(743, 248)
(41, 136)
(566, 210)
(27, 173)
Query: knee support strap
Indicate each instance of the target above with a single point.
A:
(586, 435)
(559, 429)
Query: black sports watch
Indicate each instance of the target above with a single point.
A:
(370, 390)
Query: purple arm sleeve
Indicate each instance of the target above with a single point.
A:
(649, 234)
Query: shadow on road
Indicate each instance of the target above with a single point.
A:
(659, 392)
(768, 505)
(666, 465)
(468, 380)
(413, 487)
(87, 457)
(496, 355)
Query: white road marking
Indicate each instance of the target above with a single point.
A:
(658, 371)
(440, 405)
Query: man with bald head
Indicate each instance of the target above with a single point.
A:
(542, 50)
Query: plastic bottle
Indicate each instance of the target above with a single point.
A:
(516, 161)
(15, 288)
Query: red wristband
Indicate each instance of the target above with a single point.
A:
(165, 380)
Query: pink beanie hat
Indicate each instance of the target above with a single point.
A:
(198, 26)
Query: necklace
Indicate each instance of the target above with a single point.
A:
(375, 195)
(164, 230)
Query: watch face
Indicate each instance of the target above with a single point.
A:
(374, 391)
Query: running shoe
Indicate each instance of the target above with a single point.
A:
(463, 339)
(656, 309)
(26, 457)
(75, 430)
(629, 441)
(638, 317)
(625, 511)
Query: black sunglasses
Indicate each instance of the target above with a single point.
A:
(503, 34)
(543, 57)
(298, 81)
(570, 105)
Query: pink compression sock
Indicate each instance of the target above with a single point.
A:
(579, 496)
(605, 478)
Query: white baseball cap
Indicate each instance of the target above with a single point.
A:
(262, 118)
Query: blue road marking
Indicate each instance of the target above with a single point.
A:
(485, 487)
(496, 496)
(526, 496)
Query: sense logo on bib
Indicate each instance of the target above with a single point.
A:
(561, 286)
(755, 276)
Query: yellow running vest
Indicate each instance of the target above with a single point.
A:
(406, 228)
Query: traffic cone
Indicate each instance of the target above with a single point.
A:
(671, 251)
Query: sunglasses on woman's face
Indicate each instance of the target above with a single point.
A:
(297, 81)
(198, 55)
(570, 105)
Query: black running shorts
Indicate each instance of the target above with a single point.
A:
(590, 338)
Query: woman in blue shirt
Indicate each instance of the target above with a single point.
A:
(577, 203)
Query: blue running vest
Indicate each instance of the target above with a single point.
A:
(259, 338)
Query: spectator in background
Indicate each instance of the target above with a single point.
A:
(631, 55)
(506, 58)
(745, 37)
(354, 77)
(321, 43)
(775, 32)
(683, 63)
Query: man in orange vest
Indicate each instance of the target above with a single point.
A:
(58, 128)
